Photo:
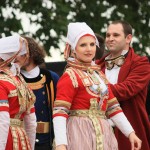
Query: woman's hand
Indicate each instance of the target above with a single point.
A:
(61, 147)
(136, 143)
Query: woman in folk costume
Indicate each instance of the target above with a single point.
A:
(84, 100)
(16, 99)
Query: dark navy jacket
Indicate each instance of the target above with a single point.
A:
(44, 90)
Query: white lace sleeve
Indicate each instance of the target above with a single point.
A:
(30, 127)
(122, 123)
(60, 130)
(4, 128)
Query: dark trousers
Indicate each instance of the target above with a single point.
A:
(45, 146)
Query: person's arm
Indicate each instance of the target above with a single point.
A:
(136, 80)
(30, 127)
(4, 128)
(125, 127)
(4, 115)
(66, 90)
(60, 131)
(115, 113)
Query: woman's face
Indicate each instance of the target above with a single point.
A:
(85, 49)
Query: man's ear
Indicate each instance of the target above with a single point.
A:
(128, 38)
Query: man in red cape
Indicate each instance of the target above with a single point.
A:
(129, 75)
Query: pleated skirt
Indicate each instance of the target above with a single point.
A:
(81, 134)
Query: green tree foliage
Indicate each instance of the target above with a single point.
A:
(51, 18)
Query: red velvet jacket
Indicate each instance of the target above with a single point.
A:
(131, 91)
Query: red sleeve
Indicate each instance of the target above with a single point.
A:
(64, 97)
(136, 81)
(65, 89)
(4, 105)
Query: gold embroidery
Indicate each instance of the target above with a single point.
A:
(4, 77)
(85, 79)
(91, 92)
(22, 139)
(15, 138)
(89, 78)
(12, 93)
(15, 131)
(113, 100)
(38, 85)
(72, 77)
(25, 95)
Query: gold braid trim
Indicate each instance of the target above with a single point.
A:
(37, 85)
(60, 103)
(91, 92)
(72, 77)
(22, 139)
(15, 138)
(26, 138)
(93, 113)
(12, 93)
(85, 79)
(4, 77)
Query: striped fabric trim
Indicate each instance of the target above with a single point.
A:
(60, 112)
(113, 106)
(113, 114)
(114, 111)
(4, 105)
(3, 101)
(62, 115)
(61, 108)
(60, 103)
(112, 102)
